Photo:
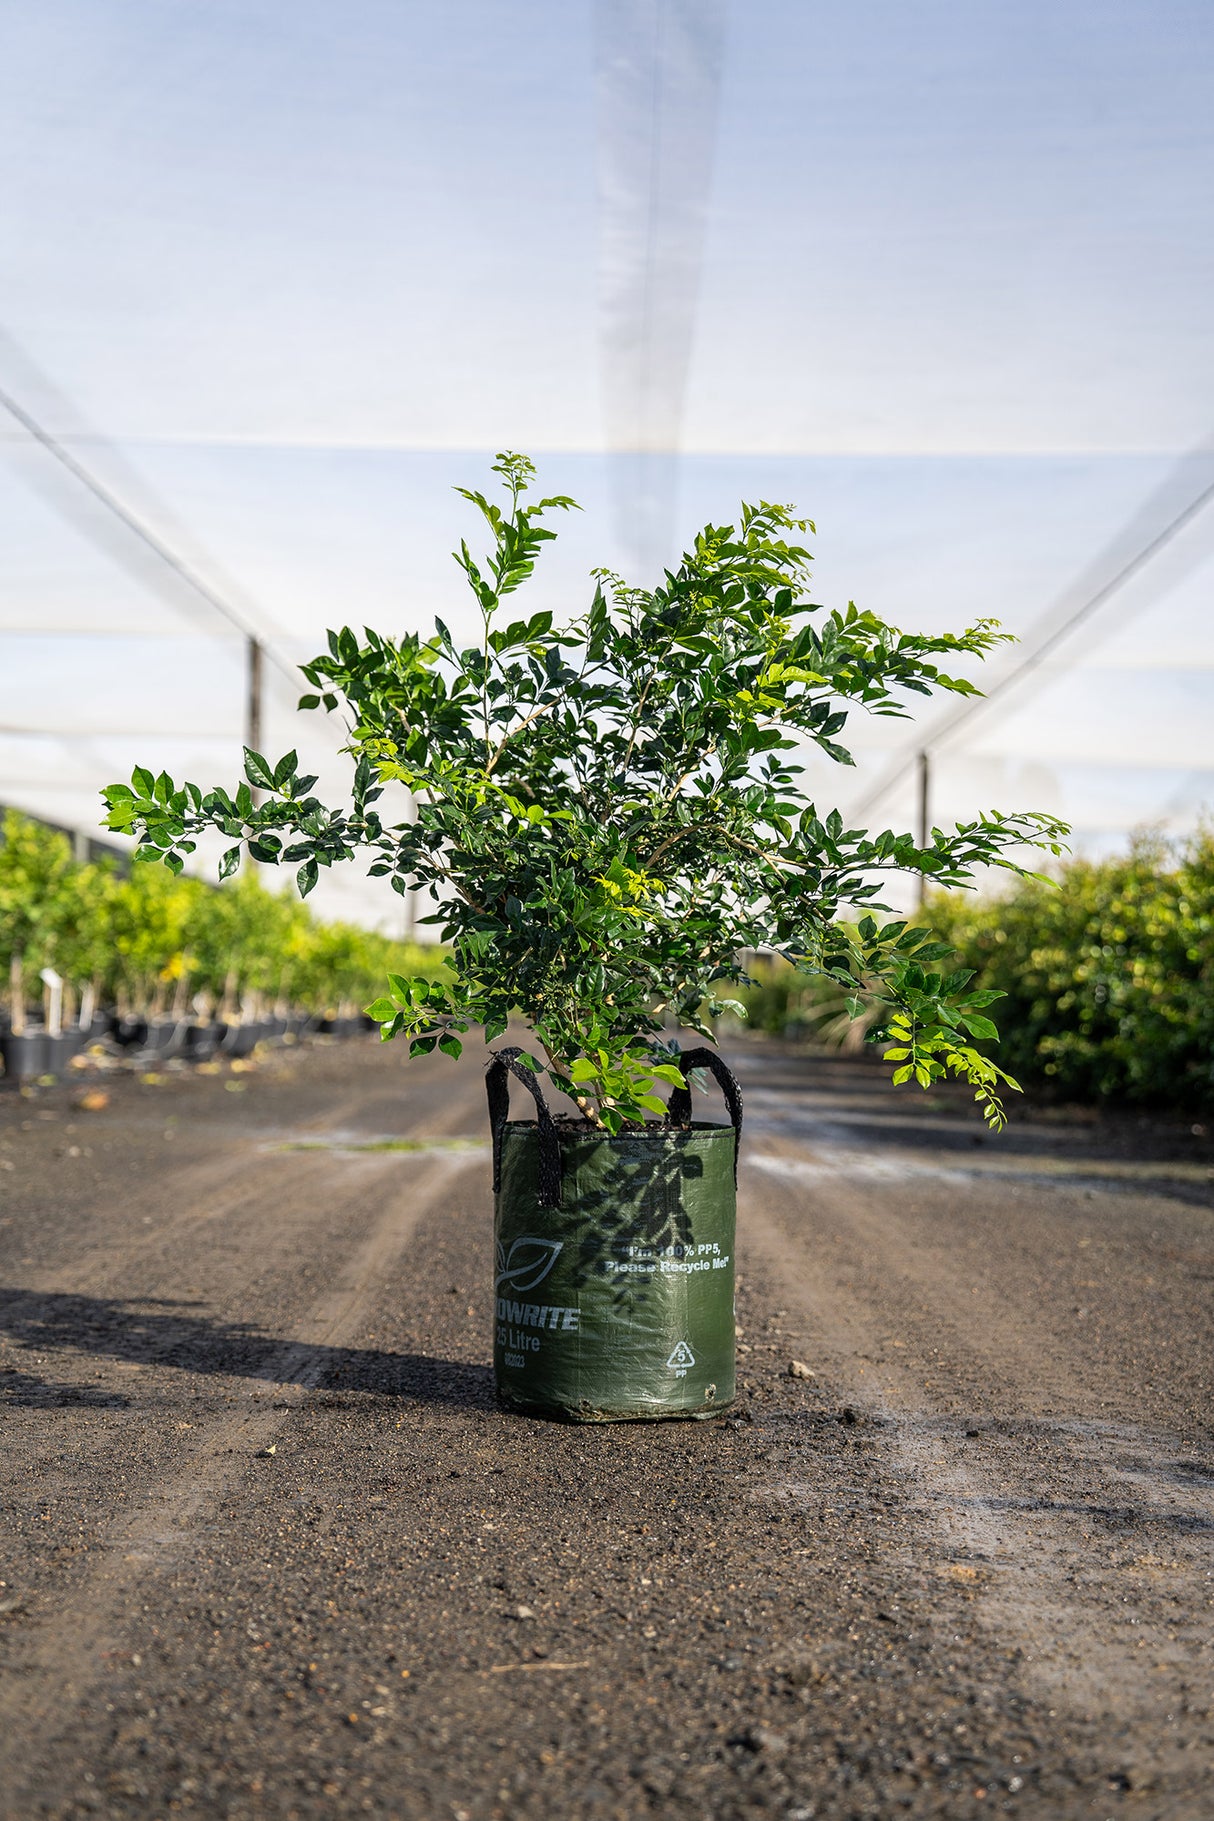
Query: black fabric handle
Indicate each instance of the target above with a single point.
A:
(678, 1111)
(497, 1086)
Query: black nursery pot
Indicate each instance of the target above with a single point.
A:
(200, 1041)
(60, 1050)
(614, 1276)
(167, 1036)
(240, 1040)
(129, 1033)
(24, 1057)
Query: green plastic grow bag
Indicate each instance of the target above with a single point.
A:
(614, 1271)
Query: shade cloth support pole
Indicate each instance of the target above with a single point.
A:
(925, 821)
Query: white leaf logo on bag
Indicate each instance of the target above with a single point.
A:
(528, 1261)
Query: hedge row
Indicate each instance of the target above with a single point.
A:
(148, 940)
(1108, 976)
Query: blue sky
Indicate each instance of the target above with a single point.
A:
(305, 267)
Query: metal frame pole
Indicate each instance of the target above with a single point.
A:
(253, 700)
(925, 780)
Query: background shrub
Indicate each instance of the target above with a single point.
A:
(143, 939)
(1108, 977)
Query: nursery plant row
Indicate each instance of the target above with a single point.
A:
(172, 965)
(1108, 977)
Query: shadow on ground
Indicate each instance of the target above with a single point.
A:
(161, 1333)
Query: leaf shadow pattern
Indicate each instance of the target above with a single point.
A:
(31, 1390)
(633, 1212)
(182, 1337)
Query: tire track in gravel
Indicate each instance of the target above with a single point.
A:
(194, 1277)
(1083, 1542)
(65, 1656)
(942, 1314)
(213, 1186)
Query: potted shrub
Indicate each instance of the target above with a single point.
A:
(84, 949)
(35, 866)
(609, 814)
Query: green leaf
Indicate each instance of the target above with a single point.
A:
(381, 1010)
(257, 771)
(450, 1045)
(978, 1026)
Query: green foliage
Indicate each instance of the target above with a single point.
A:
(929, 1030)
(35, 866)
(611, 812)
(1106, 986)
(133, 935)
(1109, 983)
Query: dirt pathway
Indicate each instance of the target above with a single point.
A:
(1032, 1357)
(270, 1550)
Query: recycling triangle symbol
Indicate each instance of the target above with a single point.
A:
(682, 1356)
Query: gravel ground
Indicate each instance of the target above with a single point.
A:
(271, 1550)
